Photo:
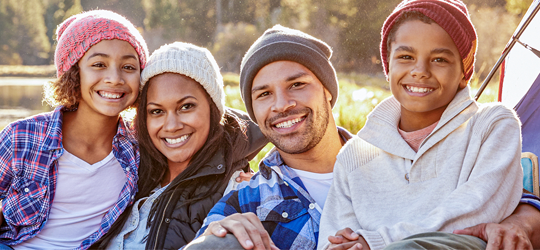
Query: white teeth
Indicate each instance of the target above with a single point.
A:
(177, 140)
(418, 90)
(110, 95)
(289, 123)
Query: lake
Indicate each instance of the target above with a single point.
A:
(21, 97)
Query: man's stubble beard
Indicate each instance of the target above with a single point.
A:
(316, 125)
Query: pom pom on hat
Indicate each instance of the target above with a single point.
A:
(80, 32)
(189, 60)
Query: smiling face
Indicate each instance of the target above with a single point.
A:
(425, 70)
(291, 106)
(109, 76)
(177, 116)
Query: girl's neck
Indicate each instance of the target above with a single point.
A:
(88, 135)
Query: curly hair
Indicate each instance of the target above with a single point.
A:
(66, 90)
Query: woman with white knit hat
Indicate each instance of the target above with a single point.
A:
(191, 145)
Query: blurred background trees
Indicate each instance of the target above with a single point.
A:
(229, 27)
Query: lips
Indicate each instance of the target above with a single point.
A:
(110, 95)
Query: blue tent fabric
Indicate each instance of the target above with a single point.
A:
(528, 110)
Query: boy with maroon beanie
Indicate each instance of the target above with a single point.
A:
(429, 159)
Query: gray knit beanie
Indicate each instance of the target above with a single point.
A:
(189, 60)
(284, 44)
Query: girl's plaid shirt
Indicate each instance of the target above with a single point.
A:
(29, 150)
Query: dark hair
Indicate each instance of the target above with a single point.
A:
(153, 165)
(403, 18)
(66, 90)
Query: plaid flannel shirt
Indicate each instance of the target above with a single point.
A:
(278, 197)
(29, 150)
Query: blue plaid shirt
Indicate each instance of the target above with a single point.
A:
(29, 150)
(280, 200)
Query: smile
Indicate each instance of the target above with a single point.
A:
(418, 90)
(289, 123)
(110, 95)
(177, 140)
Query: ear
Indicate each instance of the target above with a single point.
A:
(463, 83)
(328, 95)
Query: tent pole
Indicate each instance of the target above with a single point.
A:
(507, 49)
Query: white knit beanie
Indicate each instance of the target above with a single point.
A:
(189, 60)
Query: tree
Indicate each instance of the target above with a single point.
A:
(23, 30)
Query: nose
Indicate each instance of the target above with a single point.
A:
(283, 102)
(420, 70)
(114, 76)
(172, 123)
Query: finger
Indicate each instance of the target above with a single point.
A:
(216, 229)
(240, 228)
(336, 239)
(265, 240)
(476, 231)
(244, 177)
(494, 241)
(343, 246)
(357, 246)
(350, 234)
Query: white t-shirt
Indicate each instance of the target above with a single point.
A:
(84, 193)
(316, 184)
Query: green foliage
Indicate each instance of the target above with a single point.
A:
(24, 39)
(231, 44)
(518, 7)
(191, 21)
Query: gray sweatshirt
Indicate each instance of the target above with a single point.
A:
(466, 172)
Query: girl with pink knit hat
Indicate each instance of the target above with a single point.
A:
(429, 160)
(67, 175)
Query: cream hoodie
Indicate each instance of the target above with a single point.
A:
(466, 172)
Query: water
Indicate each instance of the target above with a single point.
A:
(21, 97)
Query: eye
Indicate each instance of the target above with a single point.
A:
(187, 106)
(263, 94)
(405, 57)
(98, 65)
(129, 67)
(440, 60)
(297, 84)
(155, 111)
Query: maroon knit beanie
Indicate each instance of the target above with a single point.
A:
(78, 33)
(451, 15)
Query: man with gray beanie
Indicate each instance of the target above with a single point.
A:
(289, 87)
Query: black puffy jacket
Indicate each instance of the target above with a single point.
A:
(175, 224)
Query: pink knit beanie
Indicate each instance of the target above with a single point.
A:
(451, 15)
(78, 33)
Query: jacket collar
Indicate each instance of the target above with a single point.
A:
(381, 126)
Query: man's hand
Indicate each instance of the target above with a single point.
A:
(499, 236)
(347, 239)
(244, 177)
(247, 228)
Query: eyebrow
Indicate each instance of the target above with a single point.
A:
(442, 51)
(177, 102)
(290, 78)
(107, 56)
(405, 48)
